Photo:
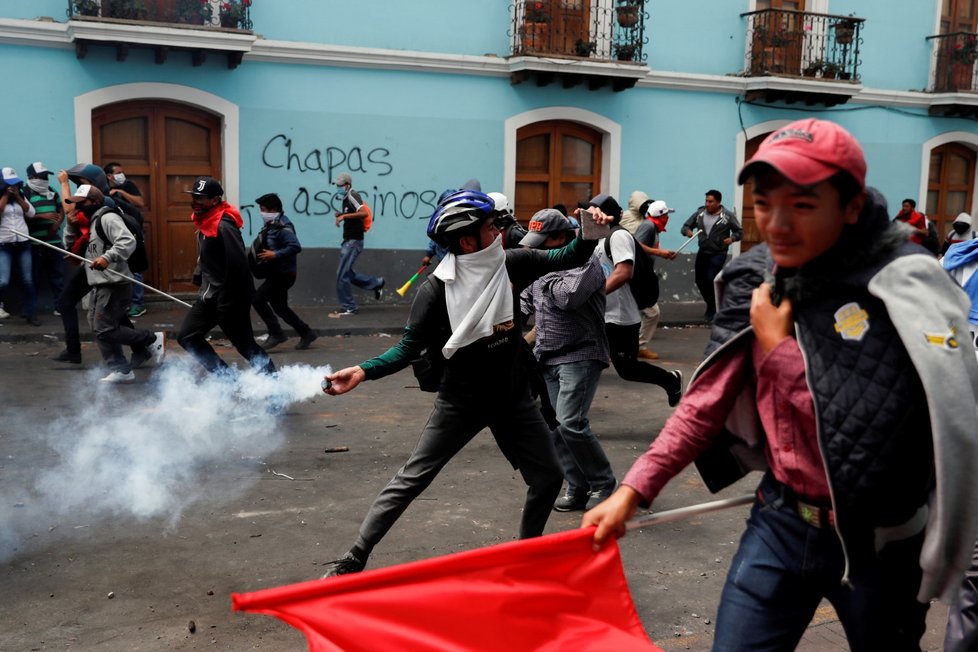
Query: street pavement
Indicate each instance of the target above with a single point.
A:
(127, 527)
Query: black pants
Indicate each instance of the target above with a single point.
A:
(271, 298)
(962, 617)
(452, 424)
(236, 324)
(707, 268)
(75, 288)
(623, 345)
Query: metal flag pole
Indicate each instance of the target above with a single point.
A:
(684, 512)
(110, 271)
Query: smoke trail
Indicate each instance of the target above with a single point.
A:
(141, 452)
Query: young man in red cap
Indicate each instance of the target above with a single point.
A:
(831, 340)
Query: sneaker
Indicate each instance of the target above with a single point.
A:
(306, 340)
(158, 348)
(345, 565)
(677, 393)
(379, 292)
(136, 311)
(595, 498)
(56, 313)
(118, 377)
(272, 341)
(3, 313)
(571, 501)
(67, 356)
(645, 354)
(336, 314)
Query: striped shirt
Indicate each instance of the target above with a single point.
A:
(569, 308)
(45, 214)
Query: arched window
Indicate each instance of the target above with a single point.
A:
(950, 184)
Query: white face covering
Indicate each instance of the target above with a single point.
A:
(268, 217)
(38, 185)
(120, 178)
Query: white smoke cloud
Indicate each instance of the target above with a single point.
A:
(146, 454)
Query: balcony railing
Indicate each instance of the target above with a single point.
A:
(226, 14)
(783, 42)
(956, 54)
(580, 29)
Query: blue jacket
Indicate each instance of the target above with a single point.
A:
(280, 238)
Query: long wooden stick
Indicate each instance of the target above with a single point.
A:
(692, 237)
(671, 515)
(110, 271)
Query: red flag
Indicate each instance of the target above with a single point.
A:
(548, 593)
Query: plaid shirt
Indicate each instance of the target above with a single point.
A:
(569, 307)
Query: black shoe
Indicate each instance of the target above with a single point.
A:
(345, 565)
(33, 321)
(676, 393)
(379, 292)
(306, 340)
(595, 498)
(273, 341)
(571, 502)
(66, 356)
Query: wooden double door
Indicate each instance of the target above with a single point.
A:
(162, 147)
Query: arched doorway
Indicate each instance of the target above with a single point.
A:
(950, 184)
(162, 146)
(557, 162)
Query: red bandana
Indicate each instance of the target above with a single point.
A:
(207, 223)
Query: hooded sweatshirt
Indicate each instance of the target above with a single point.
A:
(632, 216)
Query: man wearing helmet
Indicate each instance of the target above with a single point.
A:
(464, 313)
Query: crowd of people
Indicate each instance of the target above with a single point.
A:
(831, 343)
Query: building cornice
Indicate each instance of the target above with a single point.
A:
(46, 32)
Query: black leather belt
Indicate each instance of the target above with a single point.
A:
(813, 514)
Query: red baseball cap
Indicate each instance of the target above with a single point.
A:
(808, 152)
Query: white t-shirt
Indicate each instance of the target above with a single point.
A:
(620, 308)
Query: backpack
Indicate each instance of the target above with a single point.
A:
(644, 283)
(258, 245)
(138, 262)
(368, 221)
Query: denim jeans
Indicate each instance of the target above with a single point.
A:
(571, 387)
(705, 270)
(20, 252)
(784, 567)
(346, 277)
(138, 291)
(48, 265)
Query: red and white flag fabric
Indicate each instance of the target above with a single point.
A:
(551, 593)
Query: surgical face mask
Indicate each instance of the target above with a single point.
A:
(119, 178)
(268, 217)
(38, 185)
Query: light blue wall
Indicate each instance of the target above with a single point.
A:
(696, 36)
(894, 52)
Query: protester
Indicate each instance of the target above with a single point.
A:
(127, 195)
(916, 221)
(961, 231)
(634, 214)
(465, 317)
(352, 220)
(622, 317)
(110, 244)
(511, 230)
(961, 261)
(47, 225)
(647, 235)
(832, 341)
(226, 285)
(718, 229)
(280, 248)
(572, 348)
(16, 249)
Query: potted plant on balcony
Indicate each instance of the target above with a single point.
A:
(845, 30)
(830, 70)
(193, 12)
(86, 7)
(127, 9)
(625, 51)
(584, 48)
(536, 26)
(813, 68)
(627, 12)
(232, 13)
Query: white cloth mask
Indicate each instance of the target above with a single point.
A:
(268, 217)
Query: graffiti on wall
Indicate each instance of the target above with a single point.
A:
(280, 153)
